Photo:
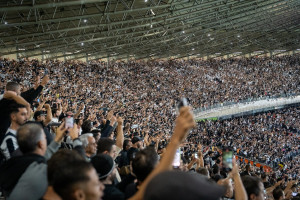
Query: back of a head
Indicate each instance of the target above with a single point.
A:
(105, 144)
(12, 86)
(144, 162)
(28, 137)
(182, 185)
(251, 184)
(277, 193)
(69, 177)
(56, 162)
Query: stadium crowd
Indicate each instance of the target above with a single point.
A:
(271, 138)
(127, 132)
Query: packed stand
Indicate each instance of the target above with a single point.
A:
(119, 133)
(271, 138)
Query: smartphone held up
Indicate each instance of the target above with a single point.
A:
(183, 102)
(176, 161)
(227, 157)
(69, 121)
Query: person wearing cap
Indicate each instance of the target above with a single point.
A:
(137, 143)
(106, 169)
(39, 116)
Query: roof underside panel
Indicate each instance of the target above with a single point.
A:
(146, 28)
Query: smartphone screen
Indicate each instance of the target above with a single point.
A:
(182, 102)
(196, 155)
(69, 122)
(227, 159)
(294, 194)
(176, 161)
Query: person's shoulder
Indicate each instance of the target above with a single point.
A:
(130, 190)
(8, 135)
(112, 190)
(132, 149)
(131, 187)
(5, 104)
(6, 101)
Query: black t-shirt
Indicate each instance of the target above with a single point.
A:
(267, 185)
(131, 190)
(49, 136)
(5, 105)
(131, 153)
(123, 159)
(112, 193)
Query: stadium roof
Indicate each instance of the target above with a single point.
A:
(147, 28)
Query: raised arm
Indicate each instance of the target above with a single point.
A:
(14, 96)
(120, 135)
(288, 189)
(184, 122)
(54, 145)
(59, 109)
(239, 190)
(33, 93)
(200, 156)
(79, 111)
(41, 105)
(49, 114)
(20, 100)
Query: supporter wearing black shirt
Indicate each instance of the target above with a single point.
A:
(137, 143)
(14, 95)
(10, 97)
(39, 117)
(142, 165)
(106, 169)
(123, 160)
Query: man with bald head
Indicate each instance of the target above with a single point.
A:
(27, 174)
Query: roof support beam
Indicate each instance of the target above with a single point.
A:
(48, 5)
